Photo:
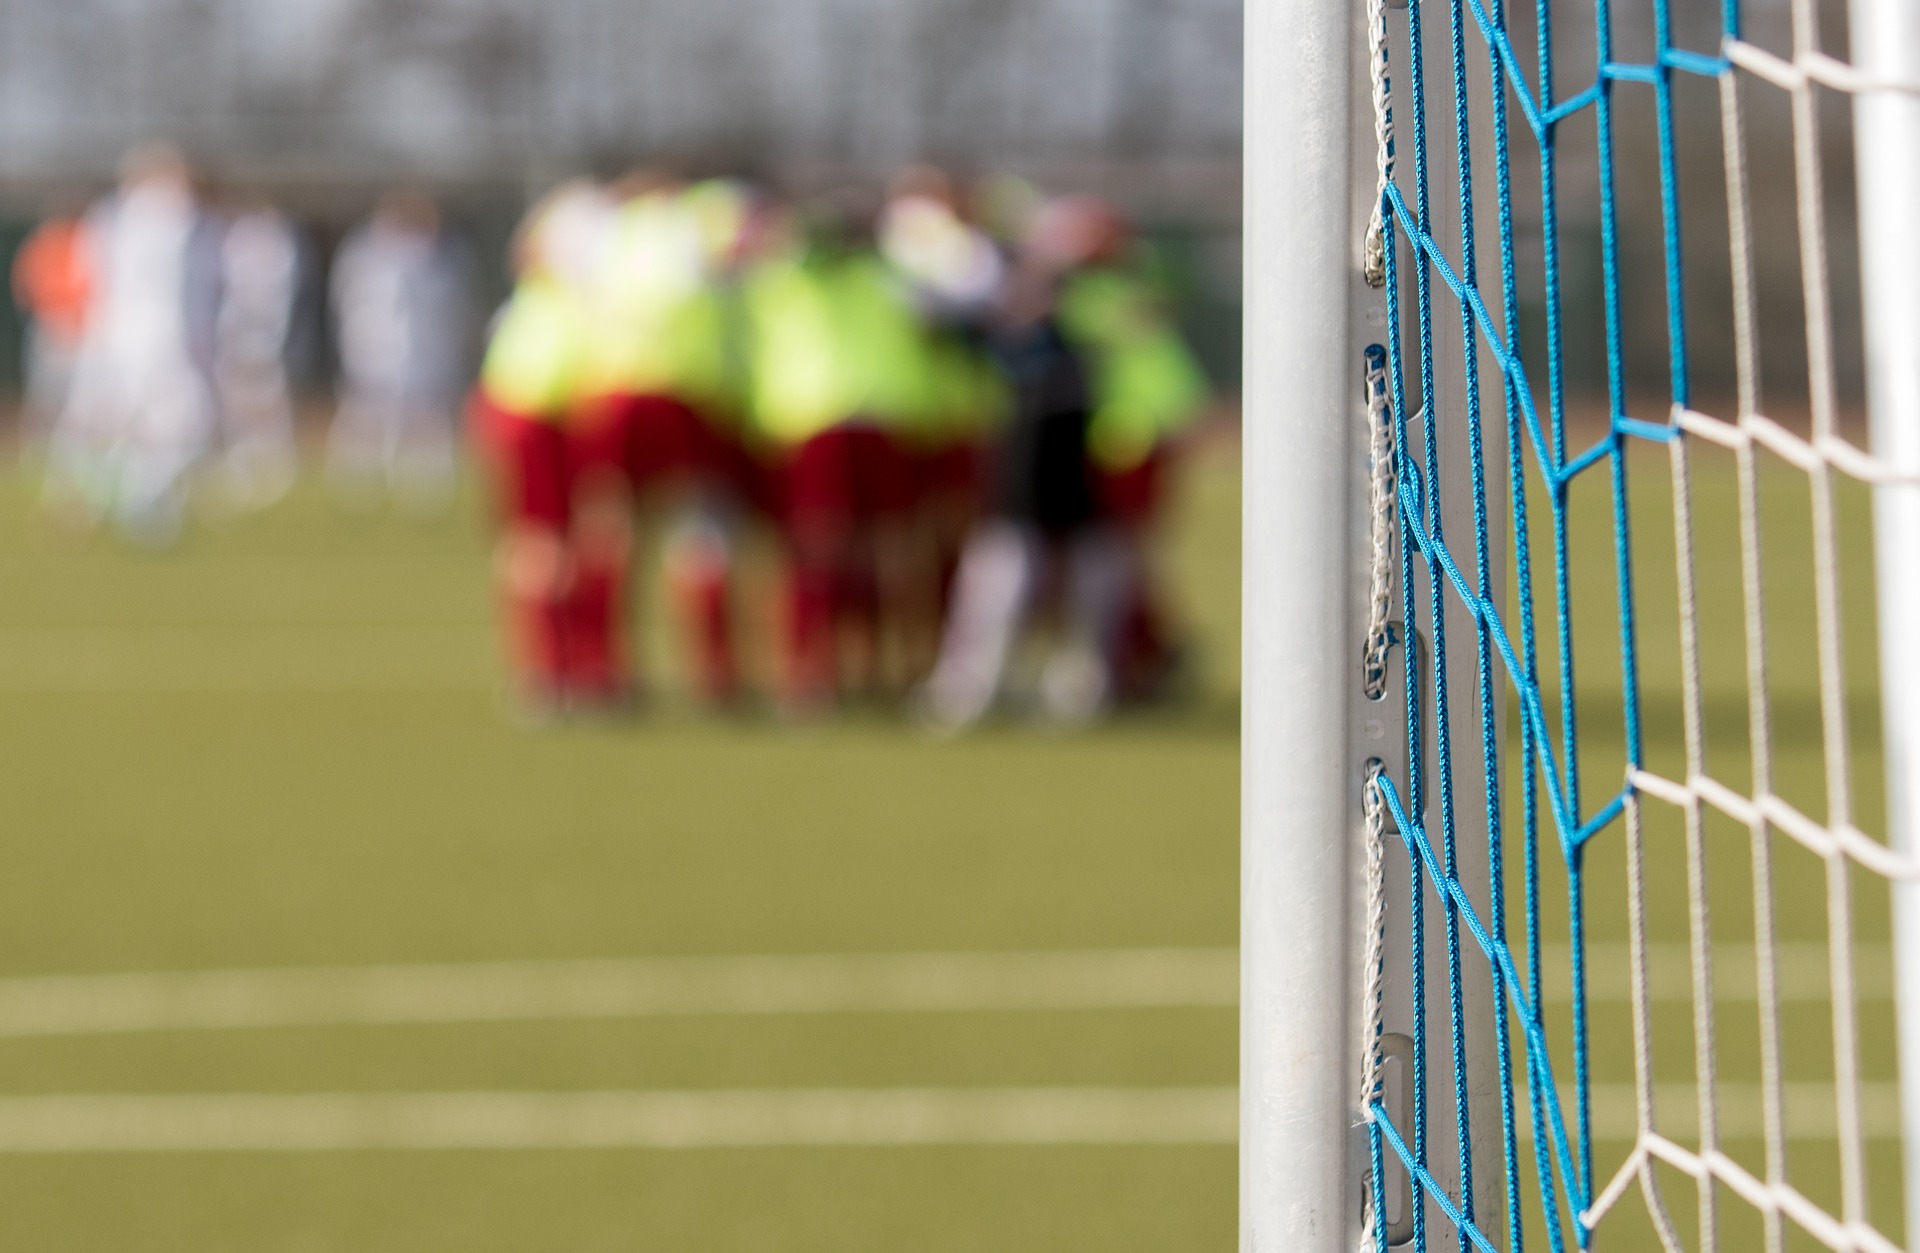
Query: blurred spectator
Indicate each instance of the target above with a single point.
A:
(260, 269)
(401, 301)
(140, 411)
(52, 284)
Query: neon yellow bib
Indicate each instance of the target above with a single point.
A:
(533, 360)
(1146, 383)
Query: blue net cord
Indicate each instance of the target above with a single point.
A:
(1560, 1170)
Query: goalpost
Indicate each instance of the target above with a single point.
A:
(1421, 1062)
(1886, 49)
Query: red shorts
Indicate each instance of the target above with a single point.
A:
(1132, 497)
(532, 475)
(650, 440)
(848, 475)
(952, 470)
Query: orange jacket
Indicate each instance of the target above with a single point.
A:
(52, 279)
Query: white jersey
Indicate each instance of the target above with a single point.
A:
(260, 265)
(141, 410)
(400, 303)
(138, 365)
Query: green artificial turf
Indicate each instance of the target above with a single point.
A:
(281, 745)
(1801, 888)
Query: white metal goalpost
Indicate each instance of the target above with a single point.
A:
(1886, 49)
(1407, 702)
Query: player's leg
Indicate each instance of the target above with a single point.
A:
(424, 468)
(705, 506)
(949, 502)
(1150, 652)
(168, 432)
(652, 456)
(601, 442)
(901, 567)
(258, 463)
(820, 528)
(999, 574)
(356, 443)
(1102, 584)
(698, 563)
(532, 562)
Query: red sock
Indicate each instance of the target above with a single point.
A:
(701, 588)
(1146, 646)
(596, 661)
(810, 667)
(538, 630)
(856, 595)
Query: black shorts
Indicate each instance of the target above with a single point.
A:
(1040, 473)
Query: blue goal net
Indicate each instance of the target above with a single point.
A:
(1635, 603)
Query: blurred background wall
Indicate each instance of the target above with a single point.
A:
(1144, 97)
(321, 102)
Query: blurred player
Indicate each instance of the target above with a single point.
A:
(1148, 390)
(140, 412)
(529, 383)
(839, 380)
(401, 305)
(954, 272)
(653, 435)
(260, 271)
(1101, 382)
(52, 285)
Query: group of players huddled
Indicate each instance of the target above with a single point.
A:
(956, 409)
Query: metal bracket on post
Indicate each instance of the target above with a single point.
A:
(1399, 1048)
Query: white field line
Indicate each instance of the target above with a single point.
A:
(619, 988)
(792, 1118)
(896, 1117)
(1801, 969)
(217, 685)
(1195, 978)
